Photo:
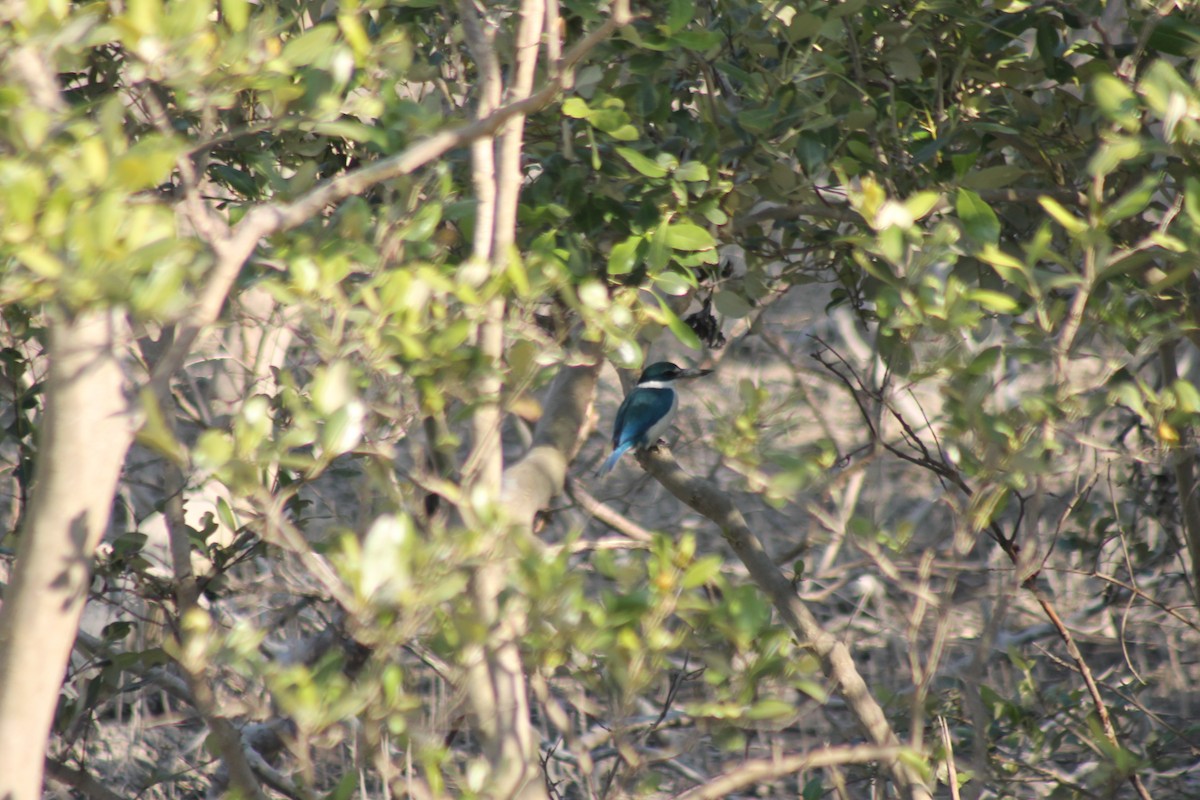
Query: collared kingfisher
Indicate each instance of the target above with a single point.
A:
(647, 411)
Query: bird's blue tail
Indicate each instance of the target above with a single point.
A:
(611, 461)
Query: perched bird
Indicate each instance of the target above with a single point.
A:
(647, 410)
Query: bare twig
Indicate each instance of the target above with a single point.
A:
(944, 470)
(606, 513)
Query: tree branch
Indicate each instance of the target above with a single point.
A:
(261, 221)
(750, 773)
(836, 662)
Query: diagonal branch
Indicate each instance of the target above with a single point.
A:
(232, 251)
(835, 658)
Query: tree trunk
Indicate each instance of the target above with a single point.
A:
(85, 434)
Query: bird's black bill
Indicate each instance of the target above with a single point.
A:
(693, 373)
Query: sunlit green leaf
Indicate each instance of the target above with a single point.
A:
(575, 107)
(692, 171)
(687, 236)
(235, 13)
(993, 301)
(624, 256)
(1061, 215)
(1116, 101)
(640, 163)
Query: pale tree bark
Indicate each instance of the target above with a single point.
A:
(494, 672)
(533, 481)
(85, 433)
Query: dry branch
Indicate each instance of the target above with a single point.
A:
(749, 773)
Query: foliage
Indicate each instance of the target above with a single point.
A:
(979, 218)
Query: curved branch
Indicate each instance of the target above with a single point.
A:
(539, 475)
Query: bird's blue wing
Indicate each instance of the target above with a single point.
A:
(637, 415)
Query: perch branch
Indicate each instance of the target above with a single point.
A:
(836, 661)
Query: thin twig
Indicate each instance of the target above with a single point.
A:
(606, 514)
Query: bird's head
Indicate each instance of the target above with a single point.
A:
(666, 372)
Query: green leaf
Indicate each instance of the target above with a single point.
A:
(921, 203)
(386, 556)
(992, 177)
(679, 14)
(702, 571)
(659, 253)
(682, 332)
(1113, 152)
(1072, 223)
(240, 181)
(687, 236)
(608, 119)
(1191, 200)
(624, 133)
(423, 224)
(235, 13)
(343, 429)
(1116, 101)
(148, 163)
(675, 283)
(771, 708)
(691, 171)
(40, 261)
(1134, 201)
(979, 221)
(624, 256)
(575, 107)
(998, 302)
(155, 434)
(758, 120)
(144, 15)
(699, 41)
(1007, 267)
(226, 515)
(310, 46)
(983, 363)
(1187, 397)
(732, 304)
(346, 786)
(640, 163)
(353, 130)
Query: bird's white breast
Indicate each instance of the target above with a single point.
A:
(659, 428)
